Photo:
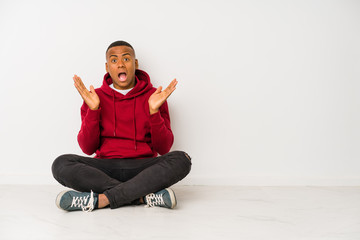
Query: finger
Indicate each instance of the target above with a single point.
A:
(83, 91)
(76, 82)
(80, 92)
(169, 92)
(172, 84)
(92, 89)
(158, 90)
(171, 87)
(80, 86)
(76, 78)
(79, 82)
(77, 88)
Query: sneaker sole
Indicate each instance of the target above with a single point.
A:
(172, 197)
(58, 198)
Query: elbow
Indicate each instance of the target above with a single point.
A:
(163, 151)
(165, 148)
(86, 148)
(88, 151)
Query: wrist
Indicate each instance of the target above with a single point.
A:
(94, 108)
(153, 111)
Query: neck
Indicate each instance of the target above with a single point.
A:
(125, 88)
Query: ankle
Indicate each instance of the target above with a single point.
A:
(103, 201)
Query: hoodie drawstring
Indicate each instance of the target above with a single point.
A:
(114, 114)
(134, 121)
(135, 124)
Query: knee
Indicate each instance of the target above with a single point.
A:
(59, 164)
(186, 155)
(183, 155)
(183, 159)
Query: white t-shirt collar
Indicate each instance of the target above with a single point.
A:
(123, 92)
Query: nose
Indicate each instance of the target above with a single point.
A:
(121, 64)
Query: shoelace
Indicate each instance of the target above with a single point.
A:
(154, 200)
(81, 201)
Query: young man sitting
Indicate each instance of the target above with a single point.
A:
(126, 124)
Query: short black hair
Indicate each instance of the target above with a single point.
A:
(120, 43)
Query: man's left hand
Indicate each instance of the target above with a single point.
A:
(159, 97)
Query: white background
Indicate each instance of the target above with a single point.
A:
(268, 91)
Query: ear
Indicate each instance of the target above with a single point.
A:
(106, 67)
(136, 64)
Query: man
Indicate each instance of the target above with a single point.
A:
(126, 124)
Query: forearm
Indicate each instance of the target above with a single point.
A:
(161, 135)
(89, 134)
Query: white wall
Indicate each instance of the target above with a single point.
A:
(268, 91)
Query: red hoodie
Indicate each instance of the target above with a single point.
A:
(122, 127)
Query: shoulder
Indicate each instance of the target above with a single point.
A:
(150, 91)
(99, 91)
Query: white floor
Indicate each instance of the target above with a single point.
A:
(203, 212)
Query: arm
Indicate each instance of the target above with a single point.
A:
(162, 137)
(89, 134)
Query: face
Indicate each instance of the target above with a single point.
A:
(121, 65)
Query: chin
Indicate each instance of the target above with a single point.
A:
(123, 85)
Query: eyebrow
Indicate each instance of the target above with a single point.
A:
(121, 55)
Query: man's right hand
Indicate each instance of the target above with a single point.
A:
(90, 97)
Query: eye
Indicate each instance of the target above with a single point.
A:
(113, 60)
(126, 59)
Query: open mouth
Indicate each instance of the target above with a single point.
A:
(122, 77)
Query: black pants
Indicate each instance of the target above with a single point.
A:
(123, 181)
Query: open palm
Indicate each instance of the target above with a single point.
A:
(90, 97)
(159, 97)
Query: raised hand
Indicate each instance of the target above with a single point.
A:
(90, 97)
(159, 97)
